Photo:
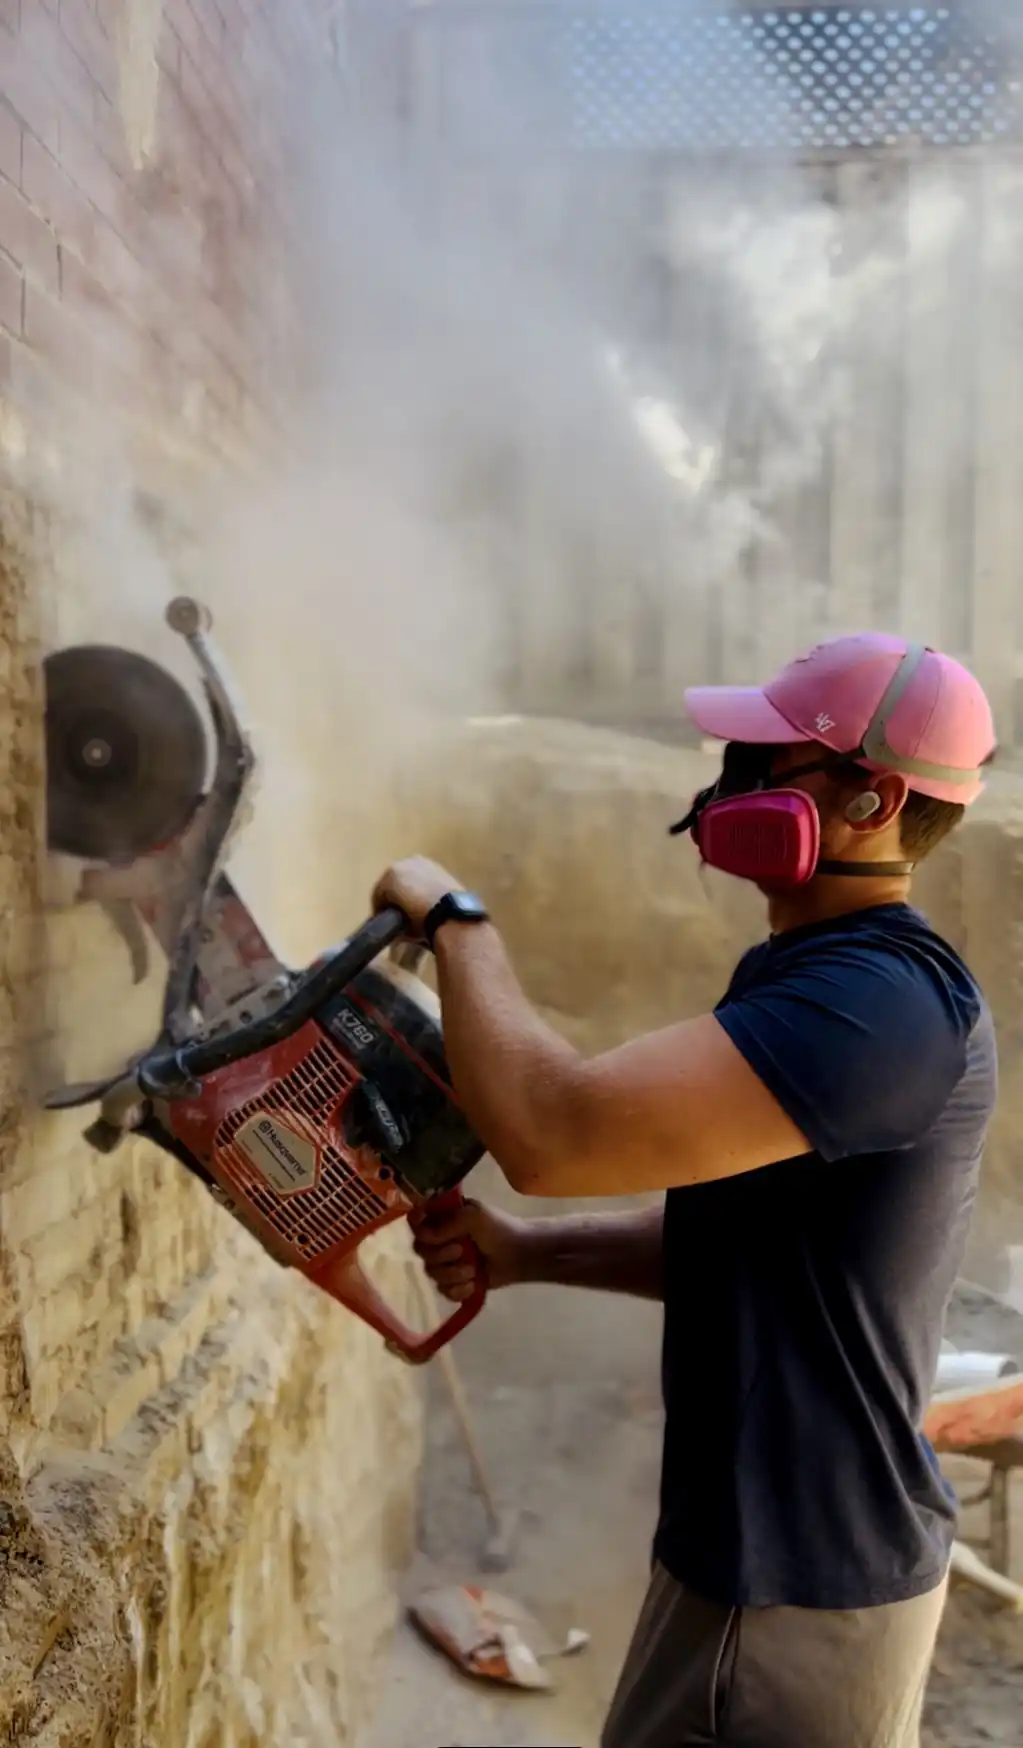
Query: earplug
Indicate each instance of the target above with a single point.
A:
(863, 807)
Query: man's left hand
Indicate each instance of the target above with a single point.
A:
(414, 886)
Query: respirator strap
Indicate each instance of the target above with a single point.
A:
(875, 870)
(719, 791)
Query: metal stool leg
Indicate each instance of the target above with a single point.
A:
(999, 1519)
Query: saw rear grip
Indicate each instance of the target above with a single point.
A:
(347, 1282)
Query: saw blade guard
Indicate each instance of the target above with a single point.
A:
(138, 787)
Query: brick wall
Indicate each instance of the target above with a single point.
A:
(205, 1472)
(139, 143)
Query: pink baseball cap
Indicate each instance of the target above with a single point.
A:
(893, 705)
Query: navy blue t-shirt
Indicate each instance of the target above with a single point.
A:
(804, 1303)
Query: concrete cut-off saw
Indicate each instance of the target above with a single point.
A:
(316, 1106)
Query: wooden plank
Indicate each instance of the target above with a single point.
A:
(866, 442)
(936, 407)
(965, 1419)
(995, 619)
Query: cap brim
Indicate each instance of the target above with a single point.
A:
(740, 713)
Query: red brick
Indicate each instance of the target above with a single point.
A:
(82, 292)
(26, 238)
(185, 27)
(10, 144)
(115, 340)
(48, 51)
(27, 90)
(56, 336)
(259, 57)
(91, 172)
(11, 296)
(210, 23)
(109, 135)
(47, 328)
(109, 14)
(53, 194)
(168, 50)
(209, 112)
(160, 268)
(34, 386)
(82, 29)
(114, 265)
(180, 140)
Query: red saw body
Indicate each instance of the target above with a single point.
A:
(316, 1107)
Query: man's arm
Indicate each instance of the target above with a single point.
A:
(610, 1253)
(679, 1106)
(676, 1107)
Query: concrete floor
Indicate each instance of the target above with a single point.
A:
(564, 1388)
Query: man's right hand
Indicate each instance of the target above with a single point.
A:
(440, 1237)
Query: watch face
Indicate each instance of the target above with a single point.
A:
(467, 905)
(463, 907)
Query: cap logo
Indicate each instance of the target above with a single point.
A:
(823, 722)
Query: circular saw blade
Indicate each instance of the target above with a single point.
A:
(126, 753)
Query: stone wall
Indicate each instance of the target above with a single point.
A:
(207, 1471)
(614, 929)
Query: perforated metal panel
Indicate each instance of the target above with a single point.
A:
(340, 1203)
(809, 77)
(697, 77)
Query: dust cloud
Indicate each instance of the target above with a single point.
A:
(514, 392)
(484, 426)
(526, 391)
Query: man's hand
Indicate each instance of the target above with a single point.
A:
(499, 1239)
(614, 1253)
(414, 886)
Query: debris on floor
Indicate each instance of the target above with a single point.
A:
(491, 1636)
(975, 1697)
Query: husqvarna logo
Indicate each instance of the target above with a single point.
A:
(284, 1158)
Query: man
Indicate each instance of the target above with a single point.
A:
(819, 1138)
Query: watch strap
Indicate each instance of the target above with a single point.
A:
(454, 907)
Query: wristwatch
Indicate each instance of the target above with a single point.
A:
(454, 907)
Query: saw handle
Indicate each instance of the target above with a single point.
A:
(173, 1074)
(346, 1281)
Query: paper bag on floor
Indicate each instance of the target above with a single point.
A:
(491, 1636)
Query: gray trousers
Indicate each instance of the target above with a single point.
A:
(697, 1672)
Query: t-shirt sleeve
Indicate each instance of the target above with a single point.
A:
(860, 1049)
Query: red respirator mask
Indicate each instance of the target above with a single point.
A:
(757, 827)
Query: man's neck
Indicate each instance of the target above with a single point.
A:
(831, 895)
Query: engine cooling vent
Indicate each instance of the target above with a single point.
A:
(340, 1203)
